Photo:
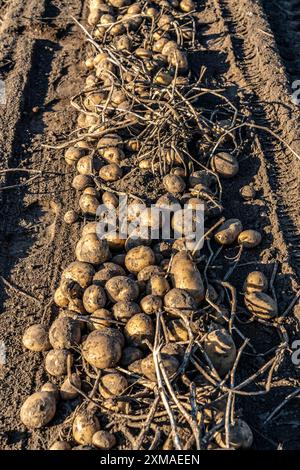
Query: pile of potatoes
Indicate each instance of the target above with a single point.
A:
(108, 298)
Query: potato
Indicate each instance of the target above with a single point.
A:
(185, 275)
(64, 333)
(169, 362)
(112, 385)
(187, 5)
(221, 350)
(158, 285)
(130, 355)
(176, 331)
(106, 272)
(249, 238)
(51, 388)
(139, 258)
(110, 199)
(119, 259)
(71, 217)
(71, 289)
(94, 17)
(104, 440)
(67, 390)
(178, 59)
(91, 191)
(94, 297)
(134, 210)
(146, 273)
(123, 311)
(80, 272)
(102, 348)
(89, 204)
(80, 182)
(256, 281)
(115, 242)
(36, 339)
(60, 445)
(76, 305)
(60, 299)
(163, 78)
(73, 154)
(85, 425)
(123, 43)
(111, 172)
(240, 436)
(151, 304)
(248, 192)
(225, 165)
(122, 289)
(261, 305)
(179, 299)
(90, 249)
(85, 166)
(38, 410)
(174, 184)
(56, 362)
(110, 140)
(203, 177)
(113, 155)
(138, 329)
(228, 232)
(150, 219)
(101, 319)
(90, 227)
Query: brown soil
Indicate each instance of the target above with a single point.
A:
(41, 55)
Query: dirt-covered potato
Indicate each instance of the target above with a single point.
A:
(85, 425)
(104, 440)
(85, 166)
(177, 331)
(240, 436)
(36, 338)
(107, 271)
(228, 232)
(80, 272)
(151, 304)
(112, 385)
(90, 227)
(179, 299)
(67, 390)
(248, 192)
(90, 249)
(56, 362)
(100, 319)
(185, 275)
(81, 182)
(145, 274)
(168, 201)
(122, 289)
(221, 350)
(60, 299)
(169, 362)
(225, 165)
(187, 5)
(178, 59)
(88, 204)
(76, 306)
(51, 388)
(261, 305)
(64, 333)
(70, 289)
(158, 285)
(38, 410)
(73, 154)
(103, 348)
(130, 355)
(111, 172)
(256, 281)
(113, 155)
(174, 184)
(94, 297)
(71, 217)
(138, 329)
(249, 238)
(110, 199)
(115, 241)
(123, 311)
(139, 258)
(60, 445)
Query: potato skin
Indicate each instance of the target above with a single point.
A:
(225, 165)
(104, 440)
(123, 311)
(100, 319)
(60, 445)
(148, 367)
(80, 272)
(112, 385)
(64, 333)
(102, 349)
(90, 249)
(185, 275)
(122, 289)
(85, 425)
(221, 350)
(228, 232)
(138, 329)
(179, 299)
(56, 362)
(240, 436)
(151, 304)
(107, 271)
(158, 285)
(139, 258)
(67, 390)
(261, 305)
(249, 238)
(130, 355)
(94, 297)
(36, 339)
(256, 281)
(38, 410)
